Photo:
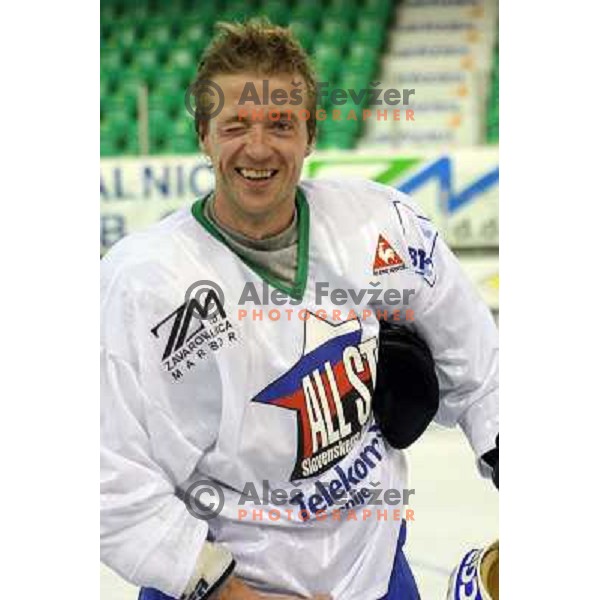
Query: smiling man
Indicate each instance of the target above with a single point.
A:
(257, 153)
(259, 139)
(199, 409)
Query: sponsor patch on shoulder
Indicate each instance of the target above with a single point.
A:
(420, 248)
(386, 260)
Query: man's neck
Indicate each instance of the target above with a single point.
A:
(256, 227)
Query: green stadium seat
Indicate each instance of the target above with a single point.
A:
(183, 121)
(105, 88)
(170, 102)
(348, 126)
(348, 5)
(380, 9)
(304, 32)
(206, 15)
(237, 11)
(367, 72)
(126, 35)
(326, 72)
(110, 78)
(336, 141)
(181, 144)
(119, 120)
(353, 79)
(342, 11)
(308, 11)
(160, 33)
(159, 147)
(173, 8)
(183, 125)
(129, 83)
(343, 128)
(120, 104)
(161, 51)
(119, 126)
(128, 146)
(195, 36)
(111, 59)
(107, 29)
(183, 61)
(159, 126)
(137, 79)
(121, 6)
(379, 4)
(370, 31)
(102, 110)
(327, 57)
(334, 33)
(365, 69)
(277, 12)
(363, 51)
(345, 142)
(171, 84)
(108, 147)
(352, 128)
(140, 11)
(322, 142)
(328, 126)
(108, 11)
(146, 61)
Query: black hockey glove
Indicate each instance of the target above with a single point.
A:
(492, 458)
(406, 396)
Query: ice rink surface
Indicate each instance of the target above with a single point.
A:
(454, 510)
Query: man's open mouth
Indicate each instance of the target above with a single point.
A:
(256, 174)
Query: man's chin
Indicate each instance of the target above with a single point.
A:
(257, 203)
(259, 200)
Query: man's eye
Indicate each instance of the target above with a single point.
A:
(235, 128)
(283, 125)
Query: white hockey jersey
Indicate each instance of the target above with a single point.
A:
(199, 395)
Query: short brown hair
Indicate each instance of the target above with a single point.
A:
(255, 46)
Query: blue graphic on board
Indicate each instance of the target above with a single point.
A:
(450, 199)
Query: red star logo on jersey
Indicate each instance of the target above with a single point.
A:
(330, 389)
(386, 258)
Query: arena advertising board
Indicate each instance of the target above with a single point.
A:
(458, 190)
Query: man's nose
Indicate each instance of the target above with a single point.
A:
(257, 144)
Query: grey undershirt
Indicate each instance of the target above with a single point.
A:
(277, 254)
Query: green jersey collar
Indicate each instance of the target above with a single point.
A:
(299, 286)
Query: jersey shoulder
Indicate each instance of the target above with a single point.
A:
(360, 195)
(355, 202)
(138, 278)
(157, 247)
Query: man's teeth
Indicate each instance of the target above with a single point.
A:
(257, 173)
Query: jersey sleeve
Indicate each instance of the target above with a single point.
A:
(457, 325)
(146, 533)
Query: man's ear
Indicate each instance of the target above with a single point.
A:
(311, 144)
(204, 142)
(203, 139)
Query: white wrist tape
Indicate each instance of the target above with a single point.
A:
(214, 566)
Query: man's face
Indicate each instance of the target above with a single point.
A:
(257, 162)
